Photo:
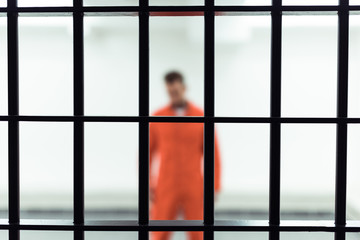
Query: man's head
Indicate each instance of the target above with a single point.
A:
(176, 88)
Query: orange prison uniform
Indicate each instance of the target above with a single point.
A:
(178, 183)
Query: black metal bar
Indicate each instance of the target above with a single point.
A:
(13, 125)
(14, 234)
(275, 112)
(144, 124)
(143, 173)
(143, 233)
(340, 234)
(13, 110)
(209, 102)
(239, 8)
(78, 35)
(208, 226)
(342, 111)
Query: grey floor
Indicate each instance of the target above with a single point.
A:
(45, 235)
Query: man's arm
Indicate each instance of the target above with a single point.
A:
(152, 150)
(217, 165)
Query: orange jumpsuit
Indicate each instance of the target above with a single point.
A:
(178, 184)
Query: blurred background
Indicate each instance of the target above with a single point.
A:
(242, 68)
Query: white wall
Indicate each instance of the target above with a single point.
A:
(242, 89)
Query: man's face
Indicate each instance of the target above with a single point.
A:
(176, 91)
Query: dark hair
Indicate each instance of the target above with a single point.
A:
(173, 76)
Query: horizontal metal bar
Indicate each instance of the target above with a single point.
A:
(182, 225)
(179, 119)
(89, 9)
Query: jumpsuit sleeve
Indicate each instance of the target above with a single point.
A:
(217, 165)
(152, 150)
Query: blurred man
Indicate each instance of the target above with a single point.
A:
(177, 184)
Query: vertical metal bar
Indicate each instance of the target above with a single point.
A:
(340, 235)
(13, 110)
(209, 100)
(342, 112)
(144, 112)
(275, 128)
(143, 234)
(78, 45)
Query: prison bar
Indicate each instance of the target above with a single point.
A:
(13, 125)
(208, 225)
